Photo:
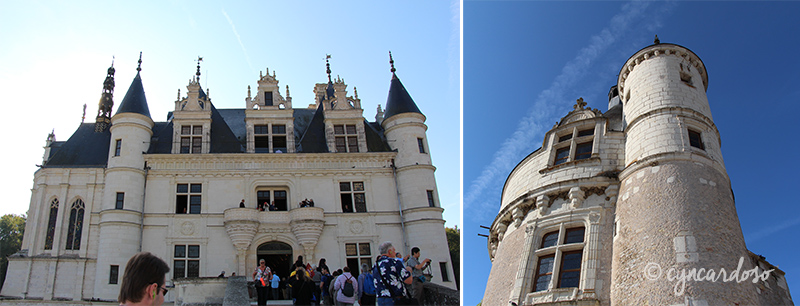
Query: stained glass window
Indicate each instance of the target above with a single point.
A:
(51, 225)
(75, 227)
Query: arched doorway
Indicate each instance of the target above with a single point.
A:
(278, 256)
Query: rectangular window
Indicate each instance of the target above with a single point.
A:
(120, 200)
(544, 271)
(695, 140)
(583, 150)
(188, 198)
(550, 239)
(186, 261)
(268, 98)
(420, 145)
(357, 254)
(266, 142)
(353, 197)
(346, 138)
(586, 132)
(574, 235)
(443, 269)
(561, 156)
(565, 137)
(430, 198)
(118, 147)
(191, 139)
(276, 196)
(570, 274)
(113, 276)
(279, 138)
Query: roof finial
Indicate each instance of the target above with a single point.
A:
(328, 65)
(355, 90)
(140, 62)
(656, 41)
(391, 62)
(199, 59)
(287, 91)
(84, 113)
(179, 95)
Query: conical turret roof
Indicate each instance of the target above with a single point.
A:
(399, 101)
(135, 101)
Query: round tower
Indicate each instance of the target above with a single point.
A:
(123, 196)
(421, 212)
(675, 208)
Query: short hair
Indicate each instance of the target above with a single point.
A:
(384, 247)
(346, 269)
(364, 268)
(142, 270)
(414, 250)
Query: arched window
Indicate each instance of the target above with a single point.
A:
(51, 225)
(75, 225)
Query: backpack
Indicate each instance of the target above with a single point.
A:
(369, 285)
(347, 290)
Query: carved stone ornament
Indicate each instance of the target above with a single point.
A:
(356, 227)
(594, 218)
(517, 215)
(576, 196)
(501, 231)
(187, 228)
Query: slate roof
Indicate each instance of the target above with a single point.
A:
(399, 101)
(135, 101)
(85, 148)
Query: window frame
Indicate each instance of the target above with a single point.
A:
(77, 213)
(352, 193)
(118, 147)
(185, 199)
(271, 195)
(696, 136)
(345, 138)
(580, 136)
(191, 139)
(267, 133)
(431, 198)
(186, 261)
(113, 275)
(421, 145)
(558, 253)
(120, 201)
(359, 257)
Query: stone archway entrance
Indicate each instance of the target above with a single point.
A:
(278, 256)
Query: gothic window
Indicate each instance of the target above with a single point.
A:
(266, 142)
(188, 198)
(51, 225)
(695, 140)
(264, 197)
(421, 145)
(430, 198)
(118, 147)
(346, 138)
(75, 227)
(191, 139)
(561, 255)
(353, 196)
(574, 146)
(357, 254)
(120, 200)
(186, 261)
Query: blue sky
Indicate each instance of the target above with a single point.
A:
(54, 56)
(525, 64)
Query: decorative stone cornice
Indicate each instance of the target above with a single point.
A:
(657, 50)
(369, 162)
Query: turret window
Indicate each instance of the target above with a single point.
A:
(695, 140)
(421, 145)
(120, 200)
(346, 138)
(431, 202)
(118, 147)
(191, 139)
(561, 255)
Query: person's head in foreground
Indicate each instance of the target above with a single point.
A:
(144, 279)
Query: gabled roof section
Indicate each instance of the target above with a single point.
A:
(399, 101)
(84, 149)
(161, 141)
(313, 140)
(135, 101)
(579, 113)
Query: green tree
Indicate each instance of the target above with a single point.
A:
(11, 230)
(454, 242)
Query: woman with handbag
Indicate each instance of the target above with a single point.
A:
(261, 277)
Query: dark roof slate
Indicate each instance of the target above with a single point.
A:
(135, 100)
(399, 101)
(313, 140)
(85, 148)
(376, 140)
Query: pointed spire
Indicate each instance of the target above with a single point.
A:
(248, 91)
(391, 62)
(328, 66)
(656, 41)
(139, 68)
(106, 101)
(135, 100)
(83, 118)
(287, 91)
(179, 95)
(199, 59)
(355, 92)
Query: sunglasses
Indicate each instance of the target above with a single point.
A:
(164, 290)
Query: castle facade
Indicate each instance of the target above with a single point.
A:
(613, 201)
(188, 189)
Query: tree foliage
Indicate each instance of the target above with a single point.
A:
(11, 229)
(454, 242)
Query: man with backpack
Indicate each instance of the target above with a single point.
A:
(346, 286)
(366, 287)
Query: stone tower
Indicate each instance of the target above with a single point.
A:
(675, 206)
(404, 126)
(123, 198)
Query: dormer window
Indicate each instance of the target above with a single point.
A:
(266, 142)
(346, 138)
(574, 146)
(268, 98)
(191, 139)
